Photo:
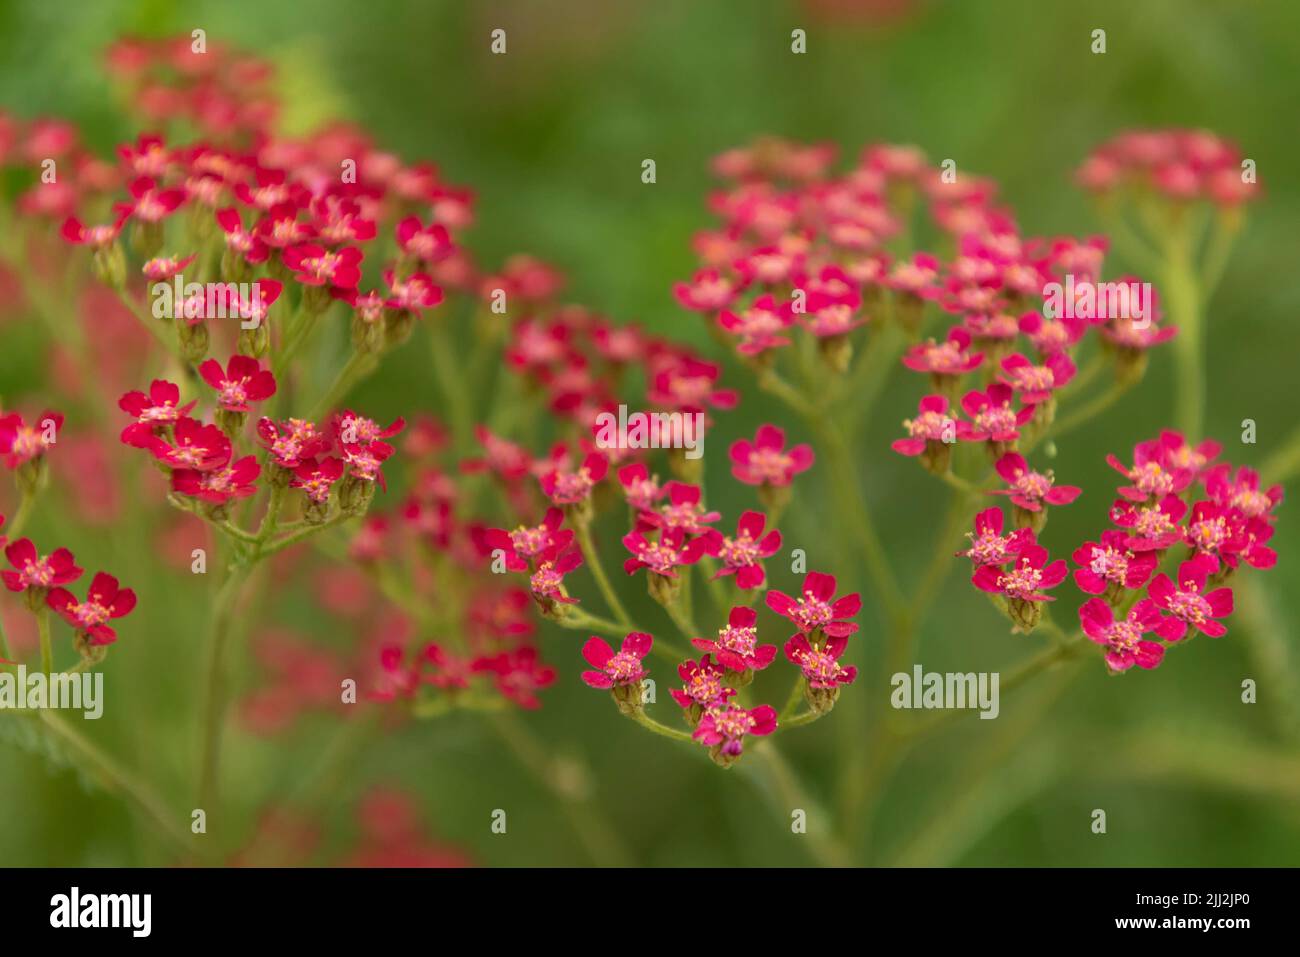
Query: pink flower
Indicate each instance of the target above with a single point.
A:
(291, 442)
(547, 582)
(219, 485)
(640, 488)
(1028, 579)
(760, 327)
(104, 602)
(737, 644)
(765, 461)
(616, 669)
(1123, 640)
(248, 244)
(743, 554)
(149, 204)
(21, 443)
(708, 291)
(821, 666)
(427, 244)
(1029, 489)
(1036, 383)
(518, 675)
(243, 381)
(97, 237)
(725, 728)
(932, 424)
(316, 266)
(683, 511)
(1112, 563)
(281, 228)
(1153, 527)
(817, 611)
(1151, 475)
(414, 293)
(31, 570)
(703, 685)
(662, 557)
(570, 488)
(1242, 492)
(1188, 603)
(526, 543)
(317, 478)
(159, 269)
(992, 417)
(194, 446)
(988, 546)
(947, 359)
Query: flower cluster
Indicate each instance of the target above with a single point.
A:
(1178, 165)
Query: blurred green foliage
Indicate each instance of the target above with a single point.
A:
(551, 136)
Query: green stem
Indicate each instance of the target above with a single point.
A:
(650, 724)
(47, 648)
(114, 777)
(592, 558)
(19, 520)
(214, 705)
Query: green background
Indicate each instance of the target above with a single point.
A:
(552, 136)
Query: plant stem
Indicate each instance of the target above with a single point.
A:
(47, 649)
(214, 706)
(114, 777)
(359, 366)
(650, 724)
(592, 558)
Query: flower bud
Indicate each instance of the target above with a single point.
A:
(193, 340)
(662, 588)
(628, 697)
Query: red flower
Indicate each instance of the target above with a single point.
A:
(352, 429)
(1154, 527)
(726, 728)
(708, 291)
(1123, 640)
(20, 443)
(1112, 562)
(765, 460)
(932, 424)
(683, 511)
(1029, 489)
(703, 685)
(413, 293)
(244, 381)
(150, 204)
(947, 359)
(640, 488)
(247, 244)
(661, 557)
(1188, 603)
(616, 669)
(1242, 492)
(97, 237)
(194, 446)
(760, 327)
(987, 544)
(1153, 475)
(162, 268)
(34, 571)
(518, 675)
(1028, 579)
(317, 266)
(816, 610)
(221, 484)
(292, 442)
(737, 644)
(743, 555)
(821, 666)
(427, 244)
(570, 488)
(365, 461)
(547, 582)
(993, 418)
(281, 228)
(317, 478)
(527, 542)
(1036, 384)
(104, 602)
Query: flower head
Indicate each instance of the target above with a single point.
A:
(104, 602)
(31, 570)
(742, 554)
(724, 729)
(241, 383)
(737, 646)
(820, 665)
(766, 461)
(1123, 641)
(616, 668)
(816, 611)
(1190, 607)
(1032, 490)
(1110, 563)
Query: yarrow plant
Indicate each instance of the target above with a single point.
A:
(263, 279)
